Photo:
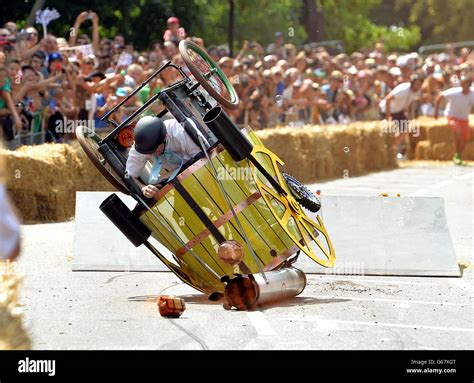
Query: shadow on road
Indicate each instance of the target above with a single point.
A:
(203, 300)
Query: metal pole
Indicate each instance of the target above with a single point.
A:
(231, 27)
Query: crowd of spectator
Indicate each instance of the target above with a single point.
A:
(45, 82)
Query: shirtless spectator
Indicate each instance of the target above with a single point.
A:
(175, 33)
(81, 18)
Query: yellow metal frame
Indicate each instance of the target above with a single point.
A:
(275, 225)
(289, 214)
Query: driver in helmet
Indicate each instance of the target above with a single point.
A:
(166, 145)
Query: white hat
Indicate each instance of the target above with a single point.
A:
(395, 71)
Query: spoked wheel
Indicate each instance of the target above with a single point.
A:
(208, 74)
(89, 142)
(288, 213)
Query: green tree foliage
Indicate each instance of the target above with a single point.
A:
(255, 20)
(441, 20)
(349, 20)
(401, 24)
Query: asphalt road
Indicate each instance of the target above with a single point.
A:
(117, 310)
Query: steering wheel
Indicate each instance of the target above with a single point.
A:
(208, 74)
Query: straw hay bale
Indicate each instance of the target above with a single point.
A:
(12, 334)
(423, 150)
(313, 153)
(468, 152)
(42, 180)
(442, 151)
(436, 141)
(440, 133)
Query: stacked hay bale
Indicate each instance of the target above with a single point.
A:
(313, 153)
(436, 141)
(42, 180)
(12, 333)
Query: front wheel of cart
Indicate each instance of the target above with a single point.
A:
(90, 143)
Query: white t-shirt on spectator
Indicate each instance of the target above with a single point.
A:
(459, 104)
(403, 96)
(273, 49)
(287, 94)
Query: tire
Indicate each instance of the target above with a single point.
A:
(302, 194)
(89, 142)
(201, 64)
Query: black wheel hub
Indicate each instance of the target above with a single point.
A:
(302, 194)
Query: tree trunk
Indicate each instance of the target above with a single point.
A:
(32, 16)
(231, 27)
(313, 20)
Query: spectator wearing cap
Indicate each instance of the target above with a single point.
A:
(278, 46)
(175, 33)
(391, 61)
(55, 65)
(269, 61)
(227, 66)
(301, 63)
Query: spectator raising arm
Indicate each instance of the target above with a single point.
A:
(92, 87)
(437, 104)
(388, 101)
(83, 16)
(29, 86)
(26, 53)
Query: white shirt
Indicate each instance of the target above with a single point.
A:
(459, 104)
(403, 96)
(177, 140)
(9, 226)
(287, 93)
